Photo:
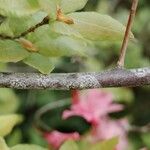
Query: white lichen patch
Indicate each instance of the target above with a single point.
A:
(141, 72)
(87, 81)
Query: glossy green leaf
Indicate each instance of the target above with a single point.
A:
(69, 145)
(95, 26)
(68, 6)
(106, 145)
(55, 45)
(7, 122)
(39, 62)
(14, 25)
(27, 147)
(9, 102)
(11, 51)
(17, 7)
(3, 145)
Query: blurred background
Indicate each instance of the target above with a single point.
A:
(101, 56)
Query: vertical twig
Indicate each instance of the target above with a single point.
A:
(127, 33)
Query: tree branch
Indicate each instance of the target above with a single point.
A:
(66, 81)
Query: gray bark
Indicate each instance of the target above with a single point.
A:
(66, 81)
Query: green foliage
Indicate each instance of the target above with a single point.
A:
(95, 26)
(8, 122)
(49, 6)
(9, 102)
(105, 145)
(16, 7)
(27, 147)
(64, 29)
(145, 138)
(11, 51)
(55, 45)
(3, 145)
(65, 35)
(39, 62)
(122, 94)
(15, 25)
(69, 6)
(69, 145)
(14, 137)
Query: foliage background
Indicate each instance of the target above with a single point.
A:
(102, 56)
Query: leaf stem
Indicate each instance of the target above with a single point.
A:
(127, 34)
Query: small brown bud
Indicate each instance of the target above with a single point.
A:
(27, 45)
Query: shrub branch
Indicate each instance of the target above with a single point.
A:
(127, 33)
(65, 81)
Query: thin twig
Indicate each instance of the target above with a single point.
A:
(32, 29)
(39, 123)
(127, 33)
(143, 129)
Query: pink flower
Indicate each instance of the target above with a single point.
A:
(111, 128)
(91, 105)
(56, 138)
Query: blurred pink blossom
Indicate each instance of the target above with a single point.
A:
(94, 106)
(91, 105)
(108, 128)
(56, 138)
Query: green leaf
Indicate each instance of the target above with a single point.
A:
(55, 45)
(84, 144)
(94, 26)
(11, 51)
(122, 94)
(69, 145)
(49, 6)
(39, 62)
(8, 101)
(64, 29)
(16, 7)
(68, 6)
(15, 137)
(106, 145)
(62, 46)
(2, 18)
(14, 25)
(5, 29)
(7, 122)
(145, 138)
(3, 145)
(27, 147)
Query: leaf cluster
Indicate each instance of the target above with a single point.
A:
(38, 32)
